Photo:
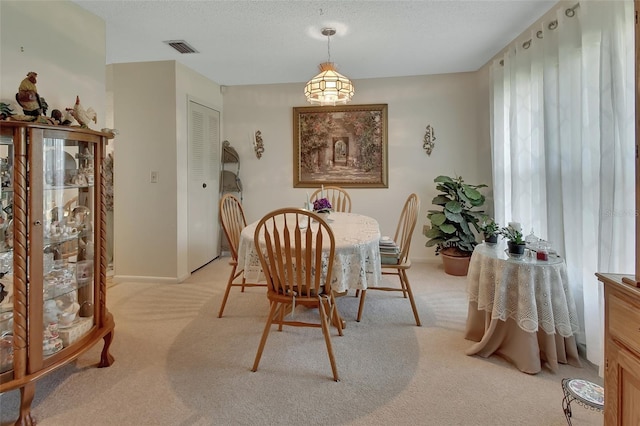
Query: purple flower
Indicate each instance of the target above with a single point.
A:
(321, 205)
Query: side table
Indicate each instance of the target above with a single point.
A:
(586, 393)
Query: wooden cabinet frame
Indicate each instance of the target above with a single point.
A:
(29, 360)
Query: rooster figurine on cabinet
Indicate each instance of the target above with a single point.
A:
(82, 116)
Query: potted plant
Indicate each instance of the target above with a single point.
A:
(452, 226)
(515, 242)
(322, 207)
(490, 230)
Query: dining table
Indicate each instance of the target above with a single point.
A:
(521, 309)
(356, 263)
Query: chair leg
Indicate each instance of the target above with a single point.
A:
(405, 280)
(401, 272)
(324, 320)
(226, 292)
(361, 304)
(265, 334)
(333, 313)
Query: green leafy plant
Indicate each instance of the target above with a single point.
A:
(489, 227)
(452, 227)
(512, 234)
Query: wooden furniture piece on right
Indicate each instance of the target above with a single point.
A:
(622, 351)
(622, 309)
(338, 197)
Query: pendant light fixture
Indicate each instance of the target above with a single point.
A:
(329, 87)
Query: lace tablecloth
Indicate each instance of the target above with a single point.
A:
(357, 255)
(535, 294)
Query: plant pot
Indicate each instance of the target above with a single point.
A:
(490, 239)
(323, 215)
(455, 265)
(516, 248)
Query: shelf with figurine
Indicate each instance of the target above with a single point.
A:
(35, 107)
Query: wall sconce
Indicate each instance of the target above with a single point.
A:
(258, 145)
(429, 140)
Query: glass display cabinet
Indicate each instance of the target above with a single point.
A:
(52, 253)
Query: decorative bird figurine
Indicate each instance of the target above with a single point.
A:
(82, 116)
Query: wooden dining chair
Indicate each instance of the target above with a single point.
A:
(338, 197)
(233, 221)
(296, 249)
(399, 263)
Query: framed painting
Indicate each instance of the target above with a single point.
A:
(341, 146)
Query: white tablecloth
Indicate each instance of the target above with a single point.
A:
(357, 255)
(535, 294)
(522, 310)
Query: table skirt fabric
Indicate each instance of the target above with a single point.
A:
(526, 350)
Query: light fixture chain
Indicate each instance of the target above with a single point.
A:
(329, 47)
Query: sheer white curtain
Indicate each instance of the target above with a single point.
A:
(563, 146)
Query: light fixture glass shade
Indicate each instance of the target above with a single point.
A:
(329, 87)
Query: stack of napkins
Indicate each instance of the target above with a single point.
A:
(389, 251)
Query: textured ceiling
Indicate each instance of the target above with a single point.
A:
(263, 42)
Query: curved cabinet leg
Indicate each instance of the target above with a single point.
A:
(106, 359)
(27, 392)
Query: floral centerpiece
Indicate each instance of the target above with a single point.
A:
(322, 205)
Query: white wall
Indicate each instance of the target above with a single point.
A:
(447, 102)
(150, 112)
(44, 37)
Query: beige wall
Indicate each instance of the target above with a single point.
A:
(149, 108)
(43, 37)
(151, 229)
(449, 103)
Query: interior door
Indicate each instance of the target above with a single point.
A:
(204, 175)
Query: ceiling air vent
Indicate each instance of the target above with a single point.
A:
(181, 46)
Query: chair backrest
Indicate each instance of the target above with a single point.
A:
(293, 245)
(338, 197)
(233, 221)
(406, 225)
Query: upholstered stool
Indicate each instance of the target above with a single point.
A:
(584, 392)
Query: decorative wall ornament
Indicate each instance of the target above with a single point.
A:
(258, 145)
(429, 140)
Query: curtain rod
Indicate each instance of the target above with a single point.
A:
(569, 12)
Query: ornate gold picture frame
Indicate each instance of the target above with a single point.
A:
(341, 145)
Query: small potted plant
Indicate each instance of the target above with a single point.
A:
(322, 207)
(491, 230)
(515, 242)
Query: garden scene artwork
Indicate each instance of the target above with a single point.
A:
(342, 145)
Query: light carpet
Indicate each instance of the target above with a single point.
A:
(176, 363)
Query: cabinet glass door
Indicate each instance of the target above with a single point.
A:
(69, 243)
(6, 254)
